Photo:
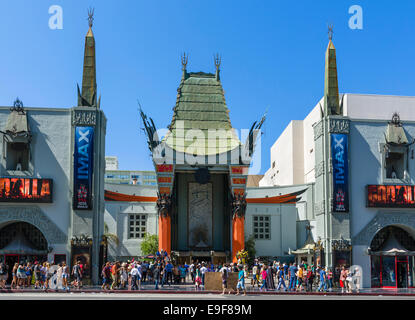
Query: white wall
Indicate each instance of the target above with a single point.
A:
(378, 107)
(287, 153)
(116, 218)
(283, 226)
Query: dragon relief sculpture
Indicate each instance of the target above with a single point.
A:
(238, 205)
(164, 204)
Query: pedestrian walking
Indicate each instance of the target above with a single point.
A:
(330, 279)
(309, 279)
(270, 285)
(3, 275)
(14, 276)
(349, 279)
(241, 282)
(225, 275)
(292, 270)
(323, 278)
(343, 276)
(203, 270)
(264, 278)
(123, 276)
(134, 278)
(281, 279)
(65, 276)
(156, 277)
(77, 275)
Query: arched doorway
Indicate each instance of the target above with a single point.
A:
(21, 242)
(392, 253)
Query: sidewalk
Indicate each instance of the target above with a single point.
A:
(190, 288)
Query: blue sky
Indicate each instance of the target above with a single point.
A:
(272, 58)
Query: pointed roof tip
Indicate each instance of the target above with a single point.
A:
(331, 45)
(90, 33)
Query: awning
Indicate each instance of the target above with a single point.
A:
(392, 247)
(20, 245)
(17, 128)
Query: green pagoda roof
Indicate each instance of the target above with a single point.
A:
(201, 105)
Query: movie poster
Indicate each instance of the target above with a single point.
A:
(339, 155)
(390, 196)
(83, 168)
(25, 190)
(82, 254)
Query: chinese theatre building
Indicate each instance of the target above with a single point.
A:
(202, 169)
(52, 179)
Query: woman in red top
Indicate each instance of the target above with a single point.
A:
(264, 278)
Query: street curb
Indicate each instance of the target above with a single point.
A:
(248, 293)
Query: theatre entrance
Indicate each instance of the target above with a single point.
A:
(392, 252)
(21, 242)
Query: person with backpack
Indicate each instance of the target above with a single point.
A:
(77, 274)
(3, 275)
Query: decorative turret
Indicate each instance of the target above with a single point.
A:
(331, 88)
(217, 60)
(88, 96)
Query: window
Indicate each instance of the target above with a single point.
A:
(262, 227)
(394, 162)
(137, 224)
(135, 176)
(17, 154)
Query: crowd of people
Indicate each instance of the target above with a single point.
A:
(303, 277)
(161, 271)
(264, 276)
(41, 275)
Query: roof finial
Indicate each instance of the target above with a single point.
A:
(90, 17)
(184, 59)
(330, 32)
(217, 60)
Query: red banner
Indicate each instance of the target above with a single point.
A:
(164, 168)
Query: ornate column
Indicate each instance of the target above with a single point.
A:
(238, 224)
(164, 205)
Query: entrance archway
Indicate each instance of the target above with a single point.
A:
(392, 253)
(22, 243)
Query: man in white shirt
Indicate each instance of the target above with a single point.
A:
(203, 270)
(134, 277)
(191, 271)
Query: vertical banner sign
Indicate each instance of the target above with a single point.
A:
(339, 146)
(83, 167)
